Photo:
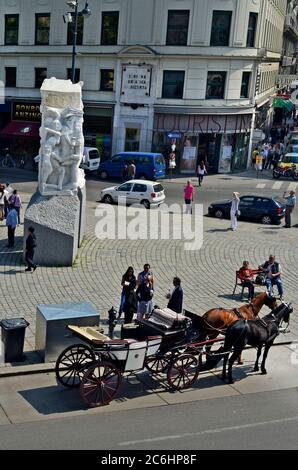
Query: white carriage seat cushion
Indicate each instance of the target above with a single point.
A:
(166, 317)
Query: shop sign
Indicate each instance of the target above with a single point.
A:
(25, 111)
(136, 82)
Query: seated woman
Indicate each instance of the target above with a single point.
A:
(246, 275)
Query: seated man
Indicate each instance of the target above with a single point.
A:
(273, 272)
(246, 275)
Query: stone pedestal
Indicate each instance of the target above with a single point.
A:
(59, 227)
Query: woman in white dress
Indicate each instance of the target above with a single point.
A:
(234, 211)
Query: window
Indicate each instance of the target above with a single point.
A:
(116, 159)
(11, 77)
(173, 84)
(125, 187)
(80, 31)
(77, 75)
(11, 30)
(220, 32)
(158, 188)
(109, 28)
(42, 28)
(248, 201)
(177, 31)
(252, 27)
(245, 85)
(139, 188)
(40, 75)
(107, 80)
(159, 160)
(216, 85)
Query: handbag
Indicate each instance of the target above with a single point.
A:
(237, 213)
(260, 279)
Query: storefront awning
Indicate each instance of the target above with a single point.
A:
(21, 129)
(282, 103)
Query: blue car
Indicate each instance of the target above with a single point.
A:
(149, 166)
(264, 209)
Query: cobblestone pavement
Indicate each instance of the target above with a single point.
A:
(208, 275)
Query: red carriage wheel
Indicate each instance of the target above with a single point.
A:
(72, 364)
(183, 372)
(100, 384)
(156, 364)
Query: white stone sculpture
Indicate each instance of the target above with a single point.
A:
(62, 140)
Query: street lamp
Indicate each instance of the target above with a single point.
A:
(73, 18)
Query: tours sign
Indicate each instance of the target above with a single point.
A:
(25, 111)
(136, 82)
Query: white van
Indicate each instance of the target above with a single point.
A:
(91, 159)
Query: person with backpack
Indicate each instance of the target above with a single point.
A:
(15, 200)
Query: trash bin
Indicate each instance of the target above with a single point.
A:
(12, 336)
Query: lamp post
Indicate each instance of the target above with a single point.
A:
(73, 18)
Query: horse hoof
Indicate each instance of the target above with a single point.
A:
(231, 381)
(264, 372)
(256, 369)
(240, 363)
(223, 377)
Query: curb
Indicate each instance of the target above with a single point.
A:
(32, 369)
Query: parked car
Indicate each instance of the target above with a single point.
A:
(267, 210)
(91, 159)
(147, 193)
(149, 166)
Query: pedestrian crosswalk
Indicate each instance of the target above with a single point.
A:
(277, 185)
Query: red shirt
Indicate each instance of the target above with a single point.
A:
(246, 274)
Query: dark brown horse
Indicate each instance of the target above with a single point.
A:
(217, 320)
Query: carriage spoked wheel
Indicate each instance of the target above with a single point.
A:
(156, 364)
(72, 364)
(100, 384)
(183, 371)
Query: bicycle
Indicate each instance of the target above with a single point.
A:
(8, 161)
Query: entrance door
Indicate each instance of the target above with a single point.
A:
(209, 151)
(132, 140)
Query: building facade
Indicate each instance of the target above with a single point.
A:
(191, 75)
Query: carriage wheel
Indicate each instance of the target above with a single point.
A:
(183, 372)
(100, 384)
(72, 364)
(156, 364)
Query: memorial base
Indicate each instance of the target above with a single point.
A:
(59, 228)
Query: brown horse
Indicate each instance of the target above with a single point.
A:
(216, 321)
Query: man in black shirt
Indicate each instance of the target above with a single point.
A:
(30, 246)
(176, 298)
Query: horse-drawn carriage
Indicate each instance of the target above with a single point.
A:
(165, 343)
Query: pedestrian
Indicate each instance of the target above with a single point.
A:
(259, 163)
(145, 294)
(253, 156)
(15, 200)
(176, 298)
(273, 272)
(11, 223)
(234, 210)
(246, 275)
(30, 247)
(124, 173)
(2, 203)
(128, 283)
(131, 304)
(201, 172)
(290, 199)
(7, 193)
(146, 274)
(188, 197)
(131, 171)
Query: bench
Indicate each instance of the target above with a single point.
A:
(239, 282)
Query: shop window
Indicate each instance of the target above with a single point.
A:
(173, 84)
(40, 75)
(109, 28)
(77, 75)
(42, 28)
(216, 85)
(245, 85)
(11, 30)
(251, 32)
(177, 30)
(80, 31)
(10, 77)
(106, 80)
(220, 30)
